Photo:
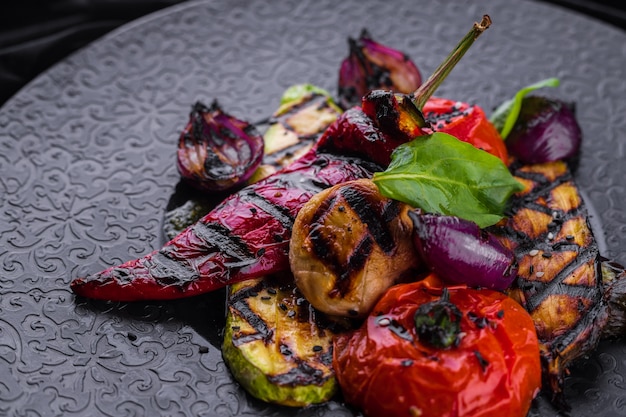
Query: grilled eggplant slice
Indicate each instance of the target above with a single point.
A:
(559, 278)
(277, 346)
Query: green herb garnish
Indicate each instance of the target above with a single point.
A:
(441, 174)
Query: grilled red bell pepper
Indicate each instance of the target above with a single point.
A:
(467, 123)
(247, 235)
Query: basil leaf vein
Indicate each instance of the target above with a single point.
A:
(441, 174)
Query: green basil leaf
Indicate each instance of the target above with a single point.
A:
(441, 174)
(505, 116)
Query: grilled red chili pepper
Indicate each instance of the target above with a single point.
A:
(431, 351)
(247, 235)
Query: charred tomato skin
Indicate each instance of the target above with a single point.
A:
(493, 369)
(467, 123)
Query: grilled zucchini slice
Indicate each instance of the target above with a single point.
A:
(277, 346)
(304, 113)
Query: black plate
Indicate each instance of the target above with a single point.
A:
(87, 154)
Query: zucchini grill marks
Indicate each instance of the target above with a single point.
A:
(276, 345)
(559, 280)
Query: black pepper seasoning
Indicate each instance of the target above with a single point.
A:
(481, 360)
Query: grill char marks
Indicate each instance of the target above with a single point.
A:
(361, 209)
(239, 303)
(349, 244)
(281, 214)
(559, 280)
(377, 221)
(245, 236)
(274, 337)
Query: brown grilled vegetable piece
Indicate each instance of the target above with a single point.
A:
(348, 245)
(559, 279)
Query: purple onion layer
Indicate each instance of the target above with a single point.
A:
(374, 66)
(216, 151)
(546, 131)
(459, 252)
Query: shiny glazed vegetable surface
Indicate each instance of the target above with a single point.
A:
(390, 367)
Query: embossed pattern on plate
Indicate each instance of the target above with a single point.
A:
(87, 167)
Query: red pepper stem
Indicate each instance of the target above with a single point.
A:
(423, 93)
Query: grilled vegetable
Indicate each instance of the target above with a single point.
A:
(349, 245)
(466, 122)
(217, 151)
(546, 131)
(559, 278)
(394, 113)
(372, 66)
(304, 113)
(614, 284)
(459, 252)
(278, 347)
(424, 353)
(247, 235)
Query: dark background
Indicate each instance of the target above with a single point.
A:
(34, 34)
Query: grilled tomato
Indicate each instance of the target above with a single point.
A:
(428, 350)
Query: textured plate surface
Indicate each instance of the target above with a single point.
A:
(87, 154)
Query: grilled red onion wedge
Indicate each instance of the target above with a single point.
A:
(460, 252)
(348, 245)
(217, 151)
(546, 130)
(372, 66)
